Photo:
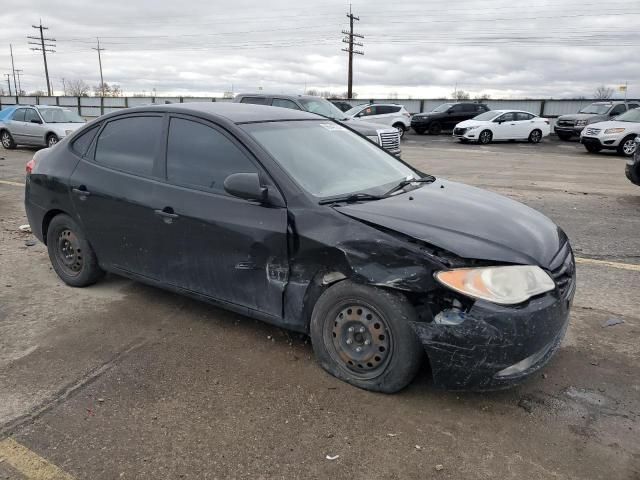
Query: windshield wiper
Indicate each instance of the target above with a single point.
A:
(404, 183)
(354, 197)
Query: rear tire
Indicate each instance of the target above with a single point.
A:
(7, 140)
(70, 253)
(627, 146)
(361, 335)
(592, 148)
(400, 127)
(535, 136)
(435, 128)
(485, 137)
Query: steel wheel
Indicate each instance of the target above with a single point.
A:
(361, 340)
(485, 137)
(69, 253)
(535, 136)
(51, 140)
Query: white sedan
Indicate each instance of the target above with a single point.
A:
(502, 125)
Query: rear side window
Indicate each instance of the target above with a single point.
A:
(31, 114)
(633, 105)
(130, 144)
(18, 115)
(284, 103)
(254, 100)
(81, 144)
(482, 108)
(201, 156)
(457, 108)
(523, 116)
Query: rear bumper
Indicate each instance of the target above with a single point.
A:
(35, 215)
(496, 346)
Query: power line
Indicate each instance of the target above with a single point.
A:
(99, 49)
(44, 48)
(349, 40)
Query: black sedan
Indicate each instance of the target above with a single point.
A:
(296, 220)
(632, 168)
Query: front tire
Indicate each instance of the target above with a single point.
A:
(361, 335)
(7, 140)
(70, 253)
(485, 137)
(627, 146)
(52, 139)
(535, 136)
(400, 127)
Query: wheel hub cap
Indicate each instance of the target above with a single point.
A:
(361, 339)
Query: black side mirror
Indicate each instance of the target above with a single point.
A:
(245, 185)
(35, 120)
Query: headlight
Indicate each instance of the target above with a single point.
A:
(68, 132)
(503, 285)
(613, 130)
(374, 139)
(581, 123)
(472, 128)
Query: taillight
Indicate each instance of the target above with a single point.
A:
(31, 164)
(407, 114)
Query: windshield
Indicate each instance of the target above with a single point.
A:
(597, 108)
(322, 107)
(490, 115)
(59, 115)
(327, 159)
(443, 108)
(629, 116)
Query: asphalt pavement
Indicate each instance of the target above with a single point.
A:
(122, 380)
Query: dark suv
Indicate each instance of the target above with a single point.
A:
(446, 116)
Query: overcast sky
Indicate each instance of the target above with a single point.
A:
(413, 48)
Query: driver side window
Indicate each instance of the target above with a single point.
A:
(30, 115)
(367, 112)
(618, 109)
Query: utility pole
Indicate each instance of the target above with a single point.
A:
(13, 68)
(64, 87)
(19, 87)
(349, 40)
(44, 48)
(99, 49)
(9, 82)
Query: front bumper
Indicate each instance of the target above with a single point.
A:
(576, 130)
(497, 346)
(605, 141)
(420, 123)
(466, 133)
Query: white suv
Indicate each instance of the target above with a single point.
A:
(617, 134)
(384, 114)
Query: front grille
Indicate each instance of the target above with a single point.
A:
(564, 274)
(390, 140)
(592, 131)
(459, 131)
(566, 123)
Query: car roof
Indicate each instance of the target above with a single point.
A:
(233, 112)
(280, 95)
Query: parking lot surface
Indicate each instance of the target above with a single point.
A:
(121, 380)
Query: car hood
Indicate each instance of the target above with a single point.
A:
(466, 221)
(579, 116)
(366, 128)
(471, 123)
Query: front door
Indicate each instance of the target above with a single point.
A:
(33, 128)
(505, 127)
(113, 192)
(214, 244)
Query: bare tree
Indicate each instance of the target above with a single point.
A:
(1, 91)
(460, 95)
(106, 90)
(77, 88)
(483, 97)
(603, 93)
(38, 93)
(313, 92)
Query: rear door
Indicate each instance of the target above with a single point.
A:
(16, 125)
(114, 193)
(525, 124)
(215, 244)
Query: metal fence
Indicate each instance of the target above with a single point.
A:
(91, 107)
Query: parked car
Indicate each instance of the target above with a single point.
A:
(617, 134)
(395, 116)
(293, 219)
(342, 105)
(569, 125)
(445, 117)
(632, 169)
(387, 138)
(502, 125)
(37, 125)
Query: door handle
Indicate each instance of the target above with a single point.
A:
(81, 191)
(167, 214)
